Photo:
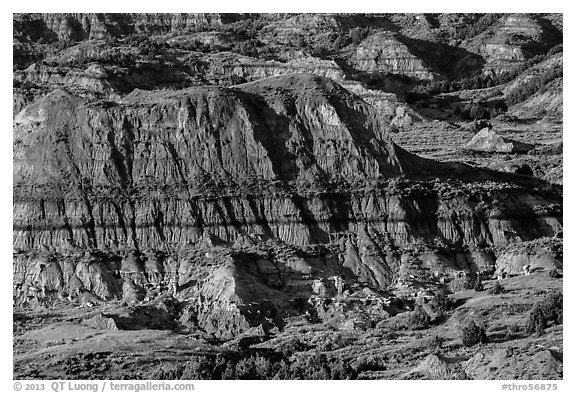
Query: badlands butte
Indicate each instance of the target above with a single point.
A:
(282, 196)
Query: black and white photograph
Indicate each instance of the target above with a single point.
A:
(286, 196)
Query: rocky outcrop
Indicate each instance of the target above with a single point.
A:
(161, 184)
(113, 164)
(517, 363)
(489, 141)
(232, 300)
(512, 40)
(91, 82)
(436, 366)
(319, 29)
(230, 68)
(91, 69)
(78, 27)
(124, 161)
(528, 362)
(554, 176)
(225, 65)
(540, 89)
(383, 53)
(101, 321)
(538, 255)
(522, 25)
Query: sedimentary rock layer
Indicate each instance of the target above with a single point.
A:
(385, 53)
(294, 157)
(150, 185)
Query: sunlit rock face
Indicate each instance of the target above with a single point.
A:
(248, 186)
(384, 53)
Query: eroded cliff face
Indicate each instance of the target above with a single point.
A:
(313, 28)
(188, 186)
(384, 53)
(524, 25)
(226, 64)
(512, 40)
(198, 143)
(101, 78)
(79, 26)
(276, 141)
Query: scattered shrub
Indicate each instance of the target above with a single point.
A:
(552, 306)
(419, 318)
(334, 341)
(167, 372)
(440, 302)
(478, 284)
(435, 343)
(318, 366)
(481, 24)
(477, 112)
(548, 311)
(524, 90)
(473, 333)
(369, 363)
(293, 345)
(496, 289)
(554, 273)
(472, 82)
(536, 321)
(262, 366)
(341, 369)
(481, 81)
(199, 367)
(461, 283)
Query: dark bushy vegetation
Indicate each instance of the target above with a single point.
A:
(496, 289)
(293, 345)
(554, 274)
(482, 81)
(419, 318)
(533, 85)
(474, 82)
(461, 283)
(263, 366)
(546, 312)
(435, 343)
(478, 284)
(473, 333)
(479, 26)
(536, 321)
(440, 303)
(370, 363)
